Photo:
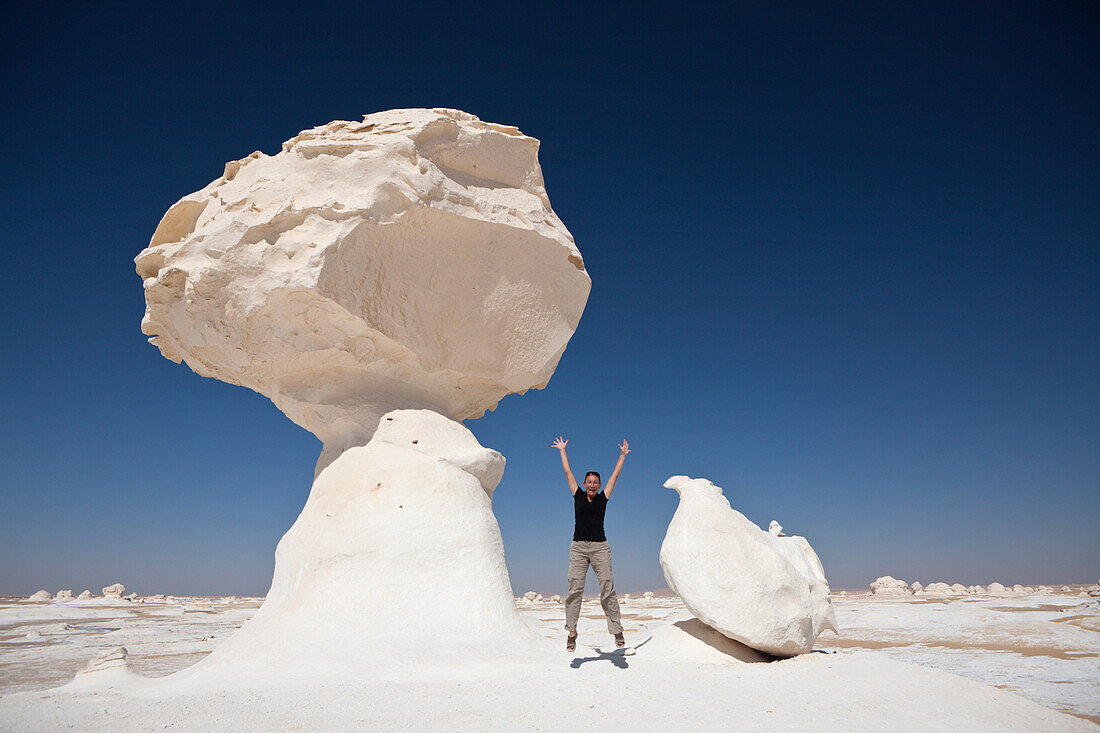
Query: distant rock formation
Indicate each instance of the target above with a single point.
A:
(41, 595)
(114, 591)
(84, 595)
(995, 588)
(916, 587)
(890, 587)
(64, 595)
(937, 588)
(764, 591)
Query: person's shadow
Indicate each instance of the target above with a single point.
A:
(616, 657)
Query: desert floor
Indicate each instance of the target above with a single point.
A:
(927, 663)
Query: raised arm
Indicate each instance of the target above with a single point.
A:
(623, 450)
(560, 444)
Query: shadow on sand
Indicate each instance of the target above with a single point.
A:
(616, 657)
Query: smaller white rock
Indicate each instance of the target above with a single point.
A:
(42, 595)
(555, 598)
(531, 595)
(107, 670)
(916, 586)
(84, 595)
(995, 588)
(114, 591)
(776, 529)
(64, 595)
(958, 588)
(648, 595)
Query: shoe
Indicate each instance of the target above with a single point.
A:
(620, 641)
(570, 643)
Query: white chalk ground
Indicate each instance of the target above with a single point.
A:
(1019, 660)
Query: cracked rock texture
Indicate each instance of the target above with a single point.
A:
(411, 260)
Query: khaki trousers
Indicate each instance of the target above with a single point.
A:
(598, 555)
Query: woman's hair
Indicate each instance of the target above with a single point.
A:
(593, 473)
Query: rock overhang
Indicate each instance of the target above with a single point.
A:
(408, 261)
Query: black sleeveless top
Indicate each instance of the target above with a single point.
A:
(589, 514)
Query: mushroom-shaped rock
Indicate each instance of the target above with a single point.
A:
(378, 281)
(114, 591)
(411, 260)
(890, 587)
(766, 592)
(41, 595)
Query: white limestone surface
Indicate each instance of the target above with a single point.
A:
(893, 675)
(764, 591)
(411, 260)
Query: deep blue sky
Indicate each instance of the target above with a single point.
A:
(845, 264)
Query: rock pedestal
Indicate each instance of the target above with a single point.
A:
(396, 553)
